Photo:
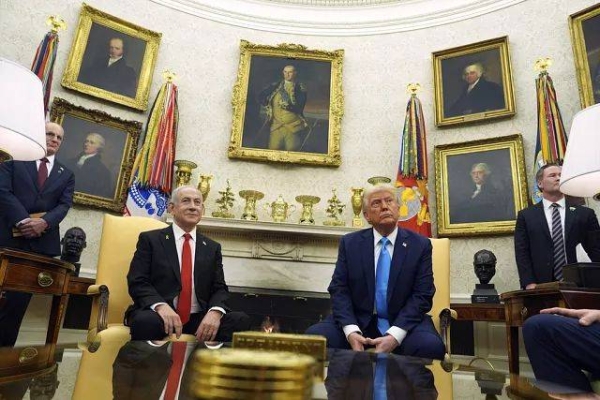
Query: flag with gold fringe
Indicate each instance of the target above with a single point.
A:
(412, 171)
(551, 140)
(45, 57)
(152, 174)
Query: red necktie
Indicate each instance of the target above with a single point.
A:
(42, 172)
(178, 357)
(184, 305)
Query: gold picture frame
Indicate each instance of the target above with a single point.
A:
(473, 83)
(101, 180)
(298, 122)
(480, 186)
(128, 79)
(585, 37)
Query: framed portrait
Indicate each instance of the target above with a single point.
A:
(100, 150)
(112, 59)
(473, 83)
(585, 35)
(287, 105)
(480, 186)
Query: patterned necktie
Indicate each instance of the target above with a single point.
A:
(381, 283)
(177, 357)
(558, 243)
(184, 304)
(42, 172)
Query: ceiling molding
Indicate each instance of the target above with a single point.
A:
(339, 20)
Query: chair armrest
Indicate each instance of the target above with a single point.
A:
(101, 293)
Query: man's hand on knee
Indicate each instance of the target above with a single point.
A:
(357, 341)
(170, 319)
(209, 326)
(384, 344)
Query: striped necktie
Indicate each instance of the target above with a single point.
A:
(558, 243)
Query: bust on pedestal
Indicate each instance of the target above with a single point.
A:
(484, 263)
(73, 244)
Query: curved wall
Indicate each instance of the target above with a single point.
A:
(377, 69)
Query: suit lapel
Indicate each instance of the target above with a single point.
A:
(199, 256)
(167, 238)
(400, 252)
(570, 216)
(541, 215)
(54, 176)
(367, 261)
(31, 167)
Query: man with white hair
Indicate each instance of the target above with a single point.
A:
(382, 286)
(93, 177)
(35, 197)
(478, 94)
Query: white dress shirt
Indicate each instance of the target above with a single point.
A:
(398, 333)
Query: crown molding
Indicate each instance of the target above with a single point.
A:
(339, 20)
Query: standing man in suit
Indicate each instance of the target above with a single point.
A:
(547, 233)
(176, 279)
(478, 94)
(382, 286)
(34, 198)
(93, 177)
(112, 72)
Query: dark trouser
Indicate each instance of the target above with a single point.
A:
(12, 312)
(148, 325)
(422, 341)
(559, 348)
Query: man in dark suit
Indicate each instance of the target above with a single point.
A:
(176, 279)
(284, 102)
(538, 259)
(34, 198)
(382, 286)
(112, 73)
(478, 94)
(93, 177)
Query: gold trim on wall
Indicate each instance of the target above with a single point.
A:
(87, 18)
(448, 181)
(131, 130)
(281, 55)
(582, 63)
(463, 56)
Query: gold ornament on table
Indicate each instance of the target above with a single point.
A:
(308, 203)
(225, 203)
(280, 209)
(251, 197)
(356, 200)
(334, 211)
(375, 180)
(183, 173)
(204, 186)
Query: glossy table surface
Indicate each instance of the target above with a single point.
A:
(130, 370)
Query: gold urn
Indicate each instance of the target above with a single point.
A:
(356, 200)
(308, 202)
(251, 197)
(280, 210)
(183, 173)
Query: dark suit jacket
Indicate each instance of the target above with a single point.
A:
(154, 275)
(118, 78)
(140, 371)
(410, 288)
(93, 177)
(20, 196)
(485, 96)
(491, 204)
(533, 241)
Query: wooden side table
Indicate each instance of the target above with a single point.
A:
(479, 312)
(22, 271)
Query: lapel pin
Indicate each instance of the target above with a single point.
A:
(204, 243)
(60, 170)
(572, 208)
(167, 237)
(404, 244)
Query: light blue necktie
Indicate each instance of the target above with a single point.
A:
(379, 380)
(382, 276)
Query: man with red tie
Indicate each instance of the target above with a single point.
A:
(35, 197)
(176, 279)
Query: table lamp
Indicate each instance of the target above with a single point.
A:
(22, 119)
(580, 175)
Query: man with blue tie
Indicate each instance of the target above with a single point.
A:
(382, 286)
(35, 197)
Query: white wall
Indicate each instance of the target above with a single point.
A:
(376, 71)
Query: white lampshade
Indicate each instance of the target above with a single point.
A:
(580, 174)
(22, 122)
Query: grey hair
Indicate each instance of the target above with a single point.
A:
(174, 199)
(477, 66)
(380, 187)
(99, 137)
(483, 166)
